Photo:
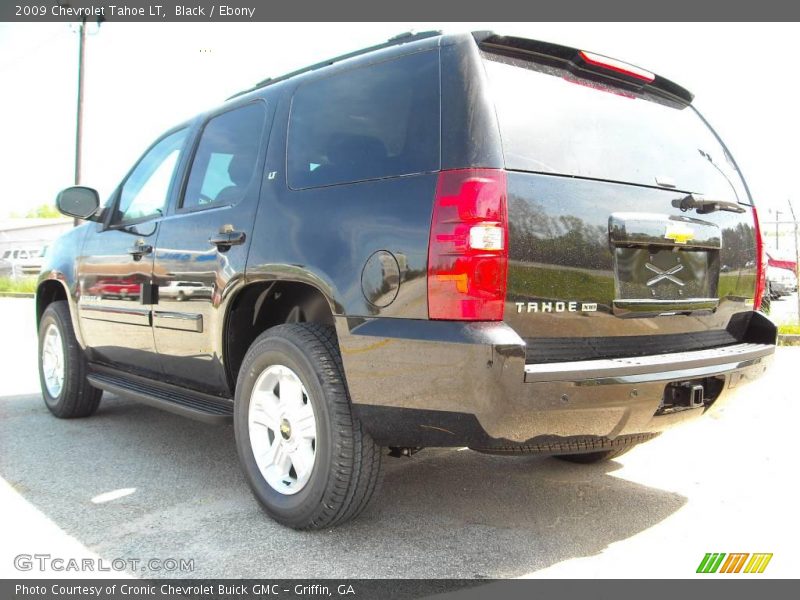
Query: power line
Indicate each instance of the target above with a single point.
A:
(30, 52)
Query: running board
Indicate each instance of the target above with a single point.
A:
(174, 399)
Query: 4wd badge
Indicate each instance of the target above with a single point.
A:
(678, 232)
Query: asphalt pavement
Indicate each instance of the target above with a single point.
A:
(133, 482)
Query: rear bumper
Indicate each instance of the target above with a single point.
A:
(429, 383)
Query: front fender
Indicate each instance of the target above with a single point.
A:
(61, 267)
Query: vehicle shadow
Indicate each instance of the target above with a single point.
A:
(442, 513)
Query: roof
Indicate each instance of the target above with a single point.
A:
(565, 56)
(398, 40)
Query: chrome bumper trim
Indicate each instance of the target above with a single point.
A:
(725, 357)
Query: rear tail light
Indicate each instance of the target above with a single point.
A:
(468, 249)
(761, 264)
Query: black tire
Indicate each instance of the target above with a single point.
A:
(595, 457)
(348, 466)
(77, 398)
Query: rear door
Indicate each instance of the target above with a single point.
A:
(203, 244)
(604, 260)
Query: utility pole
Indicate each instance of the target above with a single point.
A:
(796, 256)
(79, 128)
(79, 115)
(777, 229)
(79, 118)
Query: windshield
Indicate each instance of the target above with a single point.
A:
(554, 122)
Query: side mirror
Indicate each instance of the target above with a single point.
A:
(78, 201)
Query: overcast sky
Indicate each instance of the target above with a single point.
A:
(143, 78)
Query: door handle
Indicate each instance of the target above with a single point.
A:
(139, 250)
(227, 237)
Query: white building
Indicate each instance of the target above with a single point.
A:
(30, 234)
(22, 242)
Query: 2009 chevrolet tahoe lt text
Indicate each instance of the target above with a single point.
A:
(445, 240)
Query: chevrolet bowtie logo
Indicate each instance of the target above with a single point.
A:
(662, 275)
(678, 232)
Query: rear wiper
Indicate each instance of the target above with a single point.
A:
(706, 205)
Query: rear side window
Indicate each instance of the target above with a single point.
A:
(554, 122)
(368, 123)
(225, 160)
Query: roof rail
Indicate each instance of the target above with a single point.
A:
(402, 38)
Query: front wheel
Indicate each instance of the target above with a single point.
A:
(307, 458)
(62, 366)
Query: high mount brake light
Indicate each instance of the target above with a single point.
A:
(570, 78)
(761, 264)
(468, 249)
(617, 66)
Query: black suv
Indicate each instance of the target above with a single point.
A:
(446, 240)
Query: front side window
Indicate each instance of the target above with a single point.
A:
(371, 122)
(225, 160)
(146, 191)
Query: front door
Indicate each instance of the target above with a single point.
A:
(116, 265)
(202, 246)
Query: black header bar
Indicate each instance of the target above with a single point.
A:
(228, 11)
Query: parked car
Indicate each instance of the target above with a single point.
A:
(446, 240)
(122, 288)
(26, 261)
(780, 282)
(185, 290)
(7, 269)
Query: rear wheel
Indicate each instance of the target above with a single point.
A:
(595, 457)
(62, 366)
(308, 460)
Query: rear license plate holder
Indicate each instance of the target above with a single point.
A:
(665, 274)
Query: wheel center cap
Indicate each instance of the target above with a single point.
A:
(286, 429)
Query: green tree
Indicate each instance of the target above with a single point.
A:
(45, 211)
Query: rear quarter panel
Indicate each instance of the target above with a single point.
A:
(324, 236)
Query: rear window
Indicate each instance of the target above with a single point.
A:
(371, 122)
(553, 122)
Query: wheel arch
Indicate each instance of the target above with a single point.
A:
(54, 289)
(265, 302)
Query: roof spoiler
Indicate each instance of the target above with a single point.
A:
(581, 63)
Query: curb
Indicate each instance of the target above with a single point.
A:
(788, 339)
(24, 295)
